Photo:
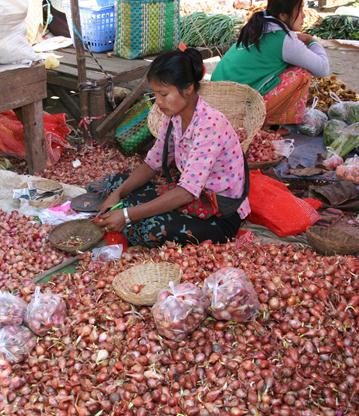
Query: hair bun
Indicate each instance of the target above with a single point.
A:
(197, 63)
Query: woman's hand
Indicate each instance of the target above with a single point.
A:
(305, 37)
(110, 201)
(112, 221)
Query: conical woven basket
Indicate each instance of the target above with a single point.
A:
(151, 278)
(242, 105)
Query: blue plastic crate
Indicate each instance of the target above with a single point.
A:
(98, 27)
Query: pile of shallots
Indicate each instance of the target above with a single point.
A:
(300, 356)
(24, 250)
(261, 148)
(96, 163)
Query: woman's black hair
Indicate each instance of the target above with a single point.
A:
(257, 24)
(178, 68)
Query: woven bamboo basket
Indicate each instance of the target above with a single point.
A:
(46, 185)
(333, 240)
(242, 105)
(151, 279)
(88, 232)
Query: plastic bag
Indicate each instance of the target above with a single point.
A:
(283, 147)
(333, 129)
(16, 342)
(347, 141)
(107, 253)
(14, 48)
(179, 310)
(45, 311)
(12, 309)
(333, 160)
(231, 295)
(313, 120)
(349, 170)
(275, 207)
(344, 110)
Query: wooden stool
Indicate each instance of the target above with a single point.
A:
(24, 89)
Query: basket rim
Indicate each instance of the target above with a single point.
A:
(84, 247)
(224, 89)
(330, 246)
(122, 286)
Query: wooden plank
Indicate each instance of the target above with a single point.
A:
(53, 78)
(66, 70)
(111, 65)
(22, 86)
(36, 155)
(80, 59)
(116, 116)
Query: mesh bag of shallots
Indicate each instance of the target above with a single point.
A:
(16, 342)
(231, 295)
(179, 310)
(45, 311)
(12, 309)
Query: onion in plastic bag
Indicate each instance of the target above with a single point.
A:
(231, 294)
(46, 310)
(16, 342)
(12, 309)
(350, 170)
(333, 160)
(179, 310)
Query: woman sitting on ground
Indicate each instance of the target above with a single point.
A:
(274, 58)
(208, 157)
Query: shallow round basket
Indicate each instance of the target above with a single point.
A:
(334, 240)
(242, 105)
(264, 165)
(153, 276)
(47, 185)
(89, 233)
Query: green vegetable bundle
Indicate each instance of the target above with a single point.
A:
(201, 29)
(337, 27)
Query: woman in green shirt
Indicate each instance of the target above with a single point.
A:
(275, 58)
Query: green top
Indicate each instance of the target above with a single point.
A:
(258, 69)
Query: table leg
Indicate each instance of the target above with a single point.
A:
(36, 155)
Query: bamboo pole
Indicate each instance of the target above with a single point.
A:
(81, 63)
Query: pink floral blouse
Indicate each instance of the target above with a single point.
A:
(208, 155)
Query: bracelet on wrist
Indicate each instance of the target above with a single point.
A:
(127, 217)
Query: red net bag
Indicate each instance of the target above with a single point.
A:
(12, 135)
(275, 207)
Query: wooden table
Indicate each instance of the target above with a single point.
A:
(24, 89)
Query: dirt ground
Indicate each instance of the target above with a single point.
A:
(345, 64)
